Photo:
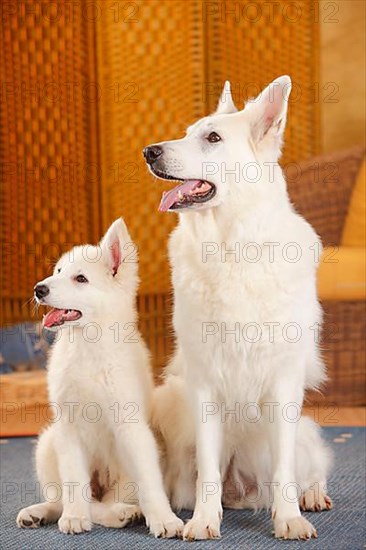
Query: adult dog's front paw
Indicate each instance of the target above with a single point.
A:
(74, 524)
(202, 528)
(165, 526)
(295, 528)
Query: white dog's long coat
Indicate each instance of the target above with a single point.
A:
(100, 384)
(246, 317)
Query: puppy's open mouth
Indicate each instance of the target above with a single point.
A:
(56, 317)
(186, 194)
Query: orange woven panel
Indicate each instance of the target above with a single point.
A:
(110, 79)
(162, 64)
(251, 44)
(47, 143)
(150, 65)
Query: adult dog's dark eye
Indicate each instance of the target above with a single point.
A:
(59, 270)
(81, 279)
(213, 137)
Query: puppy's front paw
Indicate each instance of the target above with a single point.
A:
(295, 528)
(201, 528)
(165, 526)
(74, 524)
(28, 520)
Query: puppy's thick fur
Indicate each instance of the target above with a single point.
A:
(246, 318)
(100, 385)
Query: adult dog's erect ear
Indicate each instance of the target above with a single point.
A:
(226, 104)
(268, 111)
(113, 245)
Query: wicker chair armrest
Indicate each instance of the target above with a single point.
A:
(321, 190)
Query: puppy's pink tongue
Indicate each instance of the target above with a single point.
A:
(174, 195)
(53, 318)
(57, 317)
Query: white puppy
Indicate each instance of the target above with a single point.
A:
(246, 317)
(98, 461)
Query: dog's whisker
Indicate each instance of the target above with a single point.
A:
(28, 301)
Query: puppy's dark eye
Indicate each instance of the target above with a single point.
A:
(213, 137)
(81, 279)
(59, 270)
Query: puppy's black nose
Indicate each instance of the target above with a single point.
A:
(151, 153)
(41, 291)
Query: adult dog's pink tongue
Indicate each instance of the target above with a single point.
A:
(54, 317)
(171, 197)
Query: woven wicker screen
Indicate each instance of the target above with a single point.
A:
(111, 78)
(48, 146)
(164, 66)
(251, 44)
(151, 62)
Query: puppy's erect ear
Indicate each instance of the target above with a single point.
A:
(113, 245)
(268, 111)
(226, 104)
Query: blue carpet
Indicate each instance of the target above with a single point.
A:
(341, 528)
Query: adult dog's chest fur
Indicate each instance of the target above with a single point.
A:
(230, 316)
(226, 287)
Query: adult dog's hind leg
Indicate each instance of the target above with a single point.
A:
(173, 421)
(119, 505)
(114, 514)
(315, 499)
(48, 477)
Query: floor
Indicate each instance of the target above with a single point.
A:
(342, 528)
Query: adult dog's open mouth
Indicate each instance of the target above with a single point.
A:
(186, 194)
(57, 317)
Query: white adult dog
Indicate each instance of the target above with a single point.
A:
(246, 317)
(100, 385)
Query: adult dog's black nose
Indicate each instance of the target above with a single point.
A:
(152, 153)
(41, 291)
